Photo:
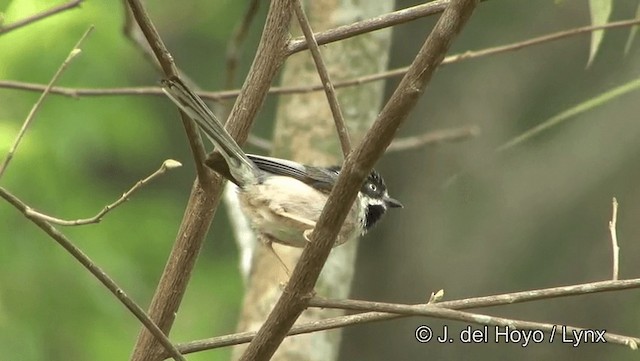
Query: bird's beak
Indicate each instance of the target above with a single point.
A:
(392, 203)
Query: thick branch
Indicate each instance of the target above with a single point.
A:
(394, 311)
(365, 26)
(39, 16)
(341, 127)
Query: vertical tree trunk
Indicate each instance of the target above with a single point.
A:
(305, 132)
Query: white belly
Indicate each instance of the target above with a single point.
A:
(268, 204)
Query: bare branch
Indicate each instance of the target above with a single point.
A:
(434, 137)
(484, 301)
(169, 68)
(78, 92)
(402, 143)
(614, 239)
(98, 273)
(540, 40)
(400, 311)
(166, 165)
(39, 16)
(238, 37)
(195, 223)
(365, 26)
(72, 54)
(341, 127)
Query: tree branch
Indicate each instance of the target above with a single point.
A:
(365, 26)
(341, 127)
(614, 240)
(98, 273)
(169, 68)
(166, 165)
(75, 51)
(39, 16)
(393, 311)
(195, 223)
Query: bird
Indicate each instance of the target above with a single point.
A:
(281, 198)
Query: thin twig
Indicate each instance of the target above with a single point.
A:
(484, 301)
(201, 208)
(226, 94)
(439, 312)
(357, 305)
(433, 137)
(98, 273)
(39, 16)
(341, 127)
(369, 25)
(78, 92)
(72, 54)
(464, 56)
(166, 165)
(540, 40)
(244, 236)
(614, 239)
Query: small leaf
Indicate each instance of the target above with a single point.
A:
(571, 112)
(600, 11)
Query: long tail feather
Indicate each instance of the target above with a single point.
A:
(241, 167)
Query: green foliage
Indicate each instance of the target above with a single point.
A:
(81, 154)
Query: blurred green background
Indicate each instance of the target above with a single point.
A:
(534, 216)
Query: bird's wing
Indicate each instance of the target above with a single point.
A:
(322, 179)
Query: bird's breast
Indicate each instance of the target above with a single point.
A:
(284, 208)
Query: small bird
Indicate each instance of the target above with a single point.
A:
(283, 199)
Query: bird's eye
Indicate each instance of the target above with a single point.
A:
(373, 187)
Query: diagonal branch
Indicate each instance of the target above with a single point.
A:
(97, 272)
(341, 127)
(166, 165)
(169, 68)
(195, 223)
(393, 311)
(614, 240)
(365, 26)
(75, 51)
(358, 164)
(237, 38)
(39, 16)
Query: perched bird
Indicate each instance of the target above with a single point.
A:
(283, 199)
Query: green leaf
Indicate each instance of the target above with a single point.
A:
(575, 110)
(600, 11)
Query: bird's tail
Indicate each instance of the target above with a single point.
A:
(240, 166)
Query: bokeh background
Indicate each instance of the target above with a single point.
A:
(475, 222)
